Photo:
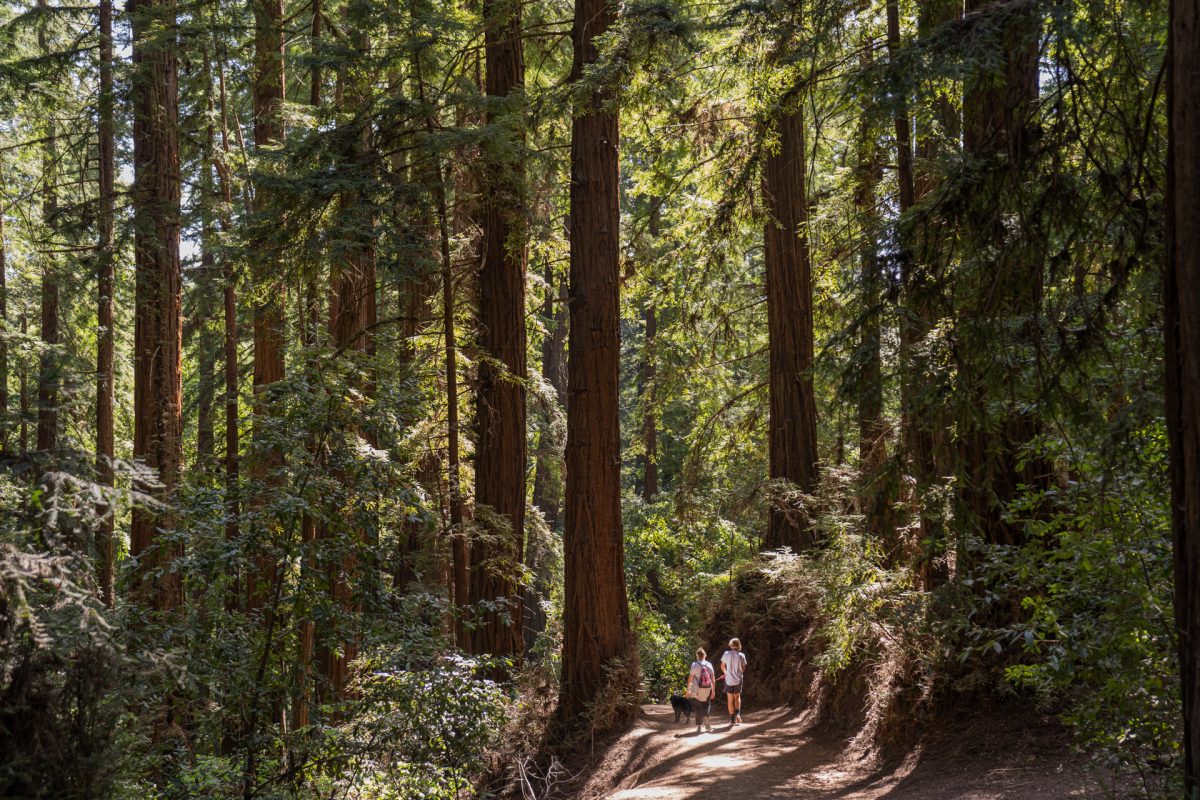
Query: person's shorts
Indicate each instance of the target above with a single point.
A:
(735, 689)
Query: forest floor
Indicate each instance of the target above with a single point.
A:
(779, 753)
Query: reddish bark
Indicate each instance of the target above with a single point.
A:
(105, 258)
(270, 289)
(793, 422)
(1181, 298)
(500, 446)
(596, 630)
(157, 332)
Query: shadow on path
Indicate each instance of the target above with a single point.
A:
(778, 753)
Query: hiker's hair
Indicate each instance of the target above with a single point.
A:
(700, 654)
(735, 644)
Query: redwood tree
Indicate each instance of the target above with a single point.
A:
(500, 446)
(793, 421)
(105, 258)
(269, 287)
(1182, 328)
(157, 333)
(596, 630)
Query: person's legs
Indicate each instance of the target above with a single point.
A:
(698, 712)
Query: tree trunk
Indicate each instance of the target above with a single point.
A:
(4, 424)
(229, 298)
(923, 421)
(547, 472)
(500, 446)
(105, 259)
(649, 420)
(270, 289)
(996, 133)
(1182, 328)
(598, 645)
(24, 389)
(158, 333)
(547, 482)
(47, 391)
(876, 494)
(793, 421)
(352, 318)
(649, 376)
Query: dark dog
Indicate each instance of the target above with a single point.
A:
(681, 705)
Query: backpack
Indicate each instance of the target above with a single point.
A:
(705, 679)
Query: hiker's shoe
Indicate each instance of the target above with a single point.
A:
(737, 720)
(708, 727)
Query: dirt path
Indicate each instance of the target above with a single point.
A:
(780, 754)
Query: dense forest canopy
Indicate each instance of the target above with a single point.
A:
(394, 393)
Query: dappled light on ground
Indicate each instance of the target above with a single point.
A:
(778, 753)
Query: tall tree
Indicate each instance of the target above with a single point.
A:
(547, 493)
(47, 392)
(352, 305)
(1181, 300)
(270, 296)
(4, 428)
(872, 425)
(158, 332)
(500, 446)
(105, 338)
(649, 376)
(793, 418)
(596, 630)
(997, 137)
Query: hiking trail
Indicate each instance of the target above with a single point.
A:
(781, 753)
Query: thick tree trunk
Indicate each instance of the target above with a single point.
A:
(596, 629)
(1182, 328)
(105, 259)
(158, 333)
(793, 421)
(270, 288)
(500, 446)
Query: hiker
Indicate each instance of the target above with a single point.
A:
(733, 671)
(701, 686)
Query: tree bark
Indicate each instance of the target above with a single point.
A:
(649, 419)
(158, 333)
(229, 298)
(500, 402)
(876, 494)
(24, 390)
(4, 423)
(105, 259)
(352, 318)
(270, 288)
(793, 416)
(1182, 332)
(47, 390)
(596, 629)
(996, 134)
(649, 377)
